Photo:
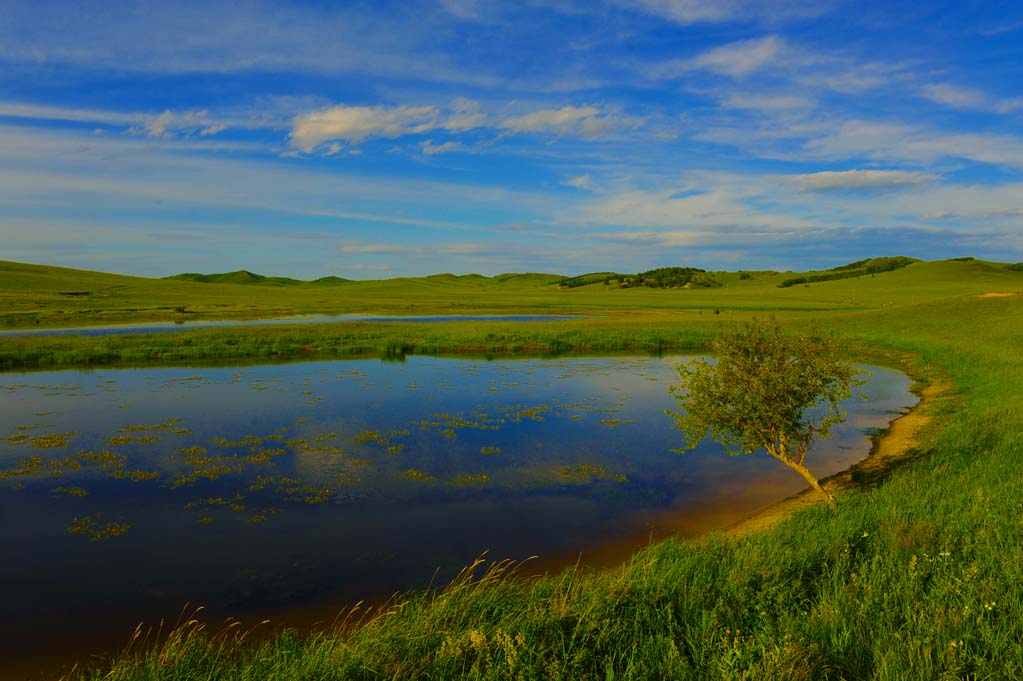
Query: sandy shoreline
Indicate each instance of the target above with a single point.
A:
(896, 445)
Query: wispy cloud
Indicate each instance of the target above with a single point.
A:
(968, 98)
(951, 95)
(717, 11)
(431, 149)
(168, 123)
(768, 102)
(861, 180)
(356, 123)
(584, 182)
(901, 142)
(584, 121)
(742, 59)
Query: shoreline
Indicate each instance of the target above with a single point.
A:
(894, 446)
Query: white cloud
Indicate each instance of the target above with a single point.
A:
(584, 182)
(48, 167)
(463, 9)
(742, 58)
(958, 97)
(716, 11)
(465, 116)
(767, 102)
(888, 141)
(369, 248)
(687, 11)
(188, 122)
(861, 180)
(718, 207)
(224, 36)
(584, 121)
(954, 96)
(460, 122)
(56, 113)
(430, 149)
(163, 125)
(356, 123)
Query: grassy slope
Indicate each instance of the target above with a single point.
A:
(916, 578)
(626, 320)
(37, 295)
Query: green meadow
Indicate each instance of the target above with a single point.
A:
(917, 576)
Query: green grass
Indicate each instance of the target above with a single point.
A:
(918, 576)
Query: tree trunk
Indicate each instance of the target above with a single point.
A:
(808, 476)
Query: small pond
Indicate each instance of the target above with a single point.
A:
(265, 490)
(172, 326)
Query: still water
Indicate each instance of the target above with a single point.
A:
(125, 494)
(182, 325)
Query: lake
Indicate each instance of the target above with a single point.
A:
(260, 491)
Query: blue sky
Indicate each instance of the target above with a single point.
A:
(379, 139)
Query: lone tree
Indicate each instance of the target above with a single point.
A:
(763, 391)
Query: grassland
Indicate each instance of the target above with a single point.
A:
(917, 576)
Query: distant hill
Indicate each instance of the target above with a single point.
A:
(251, 278)
(662, 277)
(529, 278)
(331, 281)
(852, 270)
(239, 277)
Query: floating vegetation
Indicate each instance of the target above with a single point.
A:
(413, 474)
(118, 440)
(261, 482)
(71, 491)
(348, 479)
(263, 455)
(592, 472)
(488, 451)
(466, 479)
(51, 440)
(204, 520)
(139, 476)
(611, 423)
(214, 501)
(212, 472)
(324, 437)
(307, 494)
(196, 456)
(247, 441)
(90, 526)
(364, 436)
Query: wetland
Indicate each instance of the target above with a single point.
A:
(264, 491)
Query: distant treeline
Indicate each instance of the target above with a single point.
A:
(852, 270)
(1015, 267)
(662, 277)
